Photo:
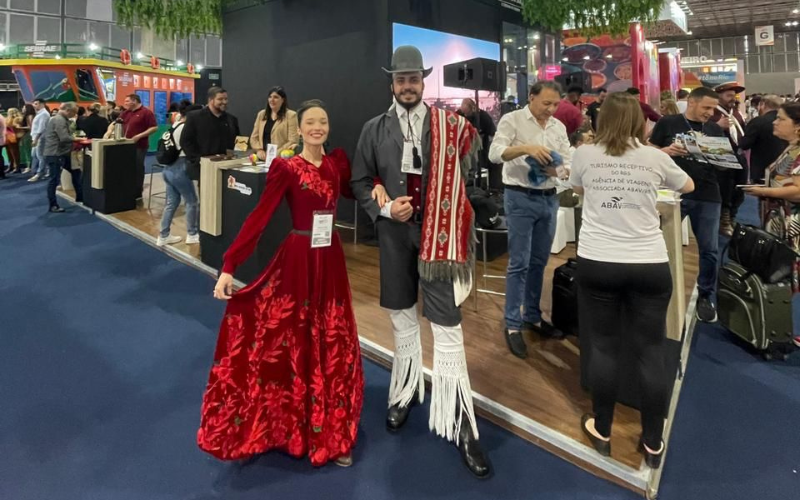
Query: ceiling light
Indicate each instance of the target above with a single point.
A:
(92, 46)
(609, 56)
(795, 23)
(586, 58)
(139, 55)
(58, 56)
(688, 32)
(199, 67)
(536, 37)
(519, 48)
(179, 62)
(796, 11)
(566, 59)
(2, 47)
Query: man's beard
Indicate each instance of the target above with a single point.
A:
(407, 105)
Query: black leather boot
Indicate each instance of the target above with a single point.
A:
(471, 452)
(397, 415)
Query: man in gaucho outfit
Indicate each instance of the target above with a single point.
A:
(422, 155)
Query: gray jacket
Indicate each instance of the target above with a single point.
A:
(379, 154)
(57, 137)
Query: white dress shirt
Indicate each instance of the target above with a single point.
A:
(416, 116)
(39, 123)
(519, 128)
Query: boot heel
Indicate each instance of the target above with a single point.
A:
(653, 460)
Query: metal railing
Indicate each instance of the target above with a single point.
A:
(85, 51)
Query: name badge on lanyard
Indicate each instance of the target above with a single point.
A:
(322, 229)
(408, 165)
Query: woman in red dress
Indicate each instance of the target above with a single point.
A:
(287, 368)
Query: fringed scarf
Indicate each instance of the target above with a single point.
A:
(447, 249)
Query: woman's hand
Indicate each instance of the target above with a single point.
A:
(224, 287)
(380, 196)
(756, 190)
(262, 155)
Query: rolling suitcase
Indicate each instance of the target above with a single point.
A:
(759, 313)
(564, 313)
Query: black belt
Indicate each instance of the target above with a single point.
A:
(535, 192)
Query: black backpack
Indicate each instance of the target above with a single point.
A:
(168, 149)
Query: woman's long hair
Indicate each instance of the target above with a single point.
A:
(282, 111)
(620, 121)
(669, 107)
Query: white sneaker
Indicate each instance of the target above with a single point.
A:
(193, 239)
(169, 240)
(34, 178)
(26, 170)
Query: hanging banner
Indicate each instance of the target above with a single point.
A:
(765, 35)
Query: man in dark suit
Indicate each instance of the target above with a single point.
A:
(758, 138)
(408, 147)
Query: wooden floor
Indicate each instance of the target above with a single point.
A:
(545, 387)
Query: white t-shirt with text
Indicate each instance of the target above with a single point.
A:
(620, 220)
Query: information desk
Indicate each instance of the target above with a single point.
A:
(109, 176)
(229, 191)
(629, 392)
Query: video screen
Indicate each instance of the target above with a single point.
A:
(438, 49)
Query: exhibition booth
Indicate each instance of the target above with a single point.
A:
(337, 57)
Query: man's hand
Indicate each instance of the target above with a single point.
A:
(725, 123)
(262, 155)
(675, 149)
(541, 153)
(401, 208)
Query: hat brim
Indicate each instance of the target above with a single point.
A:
(737, 89)
(425, 72)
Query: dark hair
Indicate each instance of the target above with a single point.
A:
(792, 110)
(537, 87)
(633, 91)
(40, 100)
(700, 92)
(577, 136)
(134, 97)
(310, 104)
(28, 110)
(111, 103)
(214, 91)
(184, 102)
(575, 90)
(173, 107)
(114, 115)
(282, 111)
(187, 107)
(683, 94)
(81, 111)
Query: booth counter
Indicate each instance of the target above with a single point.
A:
(109, 176)
(229, 191)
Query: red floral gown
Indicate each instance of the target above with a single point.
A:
(287, 368)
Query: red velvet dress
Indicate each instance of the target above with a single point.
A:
(287, 368)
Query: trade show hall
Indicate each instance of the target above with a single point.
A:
(399, 250)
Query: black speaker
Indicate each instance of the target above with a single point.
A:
(580, 79)
(476, 74)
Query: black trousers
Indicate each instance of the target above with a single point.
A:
(140, 156)
(400, 281)
(619, 303)
(732, 197)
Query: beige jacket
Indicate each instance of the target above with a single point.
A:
(284, 133)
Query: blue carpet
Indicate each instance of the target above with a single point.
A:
(104, 350)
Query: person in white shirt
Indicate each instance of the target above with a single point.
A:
(531, 209)
(682, 102)
(624, 280)
(179, 185)
(38, 165)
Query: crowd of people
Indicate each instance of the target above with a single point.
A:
(287, 372)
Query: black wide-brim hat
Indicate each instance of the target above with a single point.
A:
(729, 86)
(407, 59)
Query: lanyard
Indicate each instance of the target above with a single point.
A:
(692, 130)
